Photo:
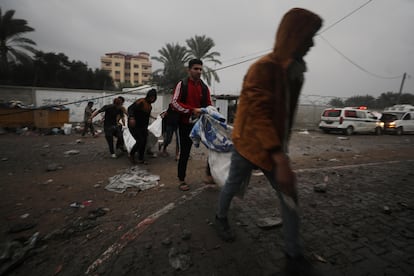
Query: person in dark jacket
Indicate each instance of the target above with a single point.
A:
(138, 119)
(112, 114)
(263, 124)
(169, 127)
(196, 95)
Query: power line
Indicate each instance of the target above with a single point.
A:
(320, 34)
(355, 64)
(343, 18)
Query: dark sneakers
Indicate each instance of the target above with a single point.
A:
(300, 266)
(223, 229)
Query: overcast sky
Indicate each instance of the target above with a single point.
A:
(378, 37)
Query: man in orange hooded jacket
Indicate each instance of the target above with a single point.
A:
(263, 123)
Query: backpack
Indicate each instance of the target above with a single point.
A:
(174, 116)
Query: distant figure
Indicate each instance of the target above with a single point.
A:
(112, 114)
(121, 122)
(264, 119)
(138, 119)
(87, 124)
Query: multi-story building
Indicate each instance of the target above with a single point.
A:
(123, 67)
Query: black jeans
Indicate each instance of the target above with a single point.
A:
(140, 135)
(186, 143)
(110, 133)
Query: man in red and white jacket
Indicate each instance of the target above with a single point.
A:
(189, 96)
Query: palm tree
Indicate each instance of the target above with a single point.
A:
(200, 47)
(14, 49)
(174, 57)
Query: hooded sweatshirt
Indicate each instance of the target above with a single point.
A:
(271, 89)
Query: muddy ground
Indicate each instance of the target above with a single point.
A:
(39, 183)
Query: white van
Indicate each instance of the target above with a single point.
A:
(398, 119)
(349, 120)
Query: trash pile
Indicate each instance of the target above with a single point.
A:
(133, 177)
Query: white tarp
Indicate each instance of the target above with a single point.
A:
(133, 177)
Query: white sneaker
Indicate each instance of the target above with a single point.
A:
(113, 155)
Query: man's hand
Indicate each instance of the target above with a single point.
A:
(285, 177)
(197, 111)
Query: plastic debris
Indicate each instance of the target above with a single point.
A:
(320, 258)
(178, 260)
(71, 152)
(133, 177)
(269, 222)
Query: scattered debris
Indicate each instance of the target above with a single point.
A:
(4, 159)
(386, 210)
(52, 167)
(132, 177)
(166, 242)
(76, 205)
(178, 260)
(71, 152)
(93, 214)
(15, 253)
(269, 222)
(48, 181)
(306, 132)
(87, 203)
(320, 188)
(319, 258)
(24, 216)
(343, 138)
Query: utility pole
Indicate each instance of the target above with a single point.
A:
(401, 88)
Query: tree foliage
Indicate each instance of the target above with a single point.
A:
(175, 57)
(14, 49)
(56, 70)
(200, 48)
(384, 100)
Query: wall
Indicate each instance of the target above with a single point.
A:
(76, 99)
(20, 93)
(307, 116)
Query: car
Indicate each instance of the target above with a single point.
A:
(398, 119)
(349, 120)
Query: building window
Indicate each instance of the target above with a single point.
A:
(136, 65)
(135, 74)
(117, 64)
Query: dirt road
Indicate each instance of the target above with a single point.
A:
(42, 176)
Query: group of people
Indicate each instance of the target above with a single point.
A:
(262, 127)
(138, 115)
